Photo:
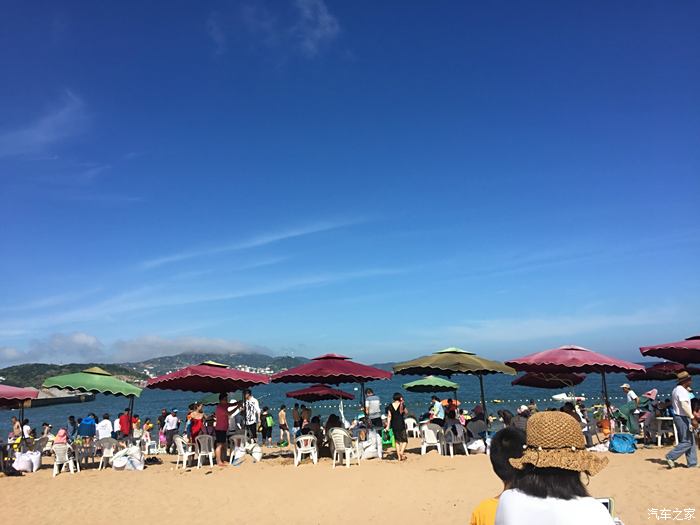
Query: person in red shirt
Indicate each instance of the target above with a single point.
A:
(125, 424)
(221, 427)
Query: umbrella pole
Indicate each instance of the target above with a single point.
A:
(131, 417)
(605, 393)
(483, 400)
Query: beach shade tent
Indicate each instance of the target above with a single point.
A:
(548, 380)
(96, 381)
(319, 393)
(207, 377)
(16, 397)
(455, 361)
(662, 372)
(574, 359)
(332, 369)
(431, 384)
(685, 352)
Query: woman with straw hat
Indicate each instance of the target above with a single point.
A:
(547, 489)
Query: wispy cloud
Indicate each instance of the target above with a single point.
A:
(512, 330)
(253, 242)
(50, 301)
(316, 28)
(217, 33)
(66, 121)
(149, 346)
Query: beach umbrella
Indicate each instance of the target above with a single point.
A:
(547, 380)
(455, 361)
(97, 381)
(431, 384)
(16, 397)
(662, 372)
(209, 400)
(685, 352)
(207, 377)
(332, 369)
(573, 359)
(321, 392)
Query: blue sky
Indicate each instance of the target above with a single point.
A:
(381, 179)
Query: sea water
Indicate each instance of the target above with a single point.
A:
(499, 394)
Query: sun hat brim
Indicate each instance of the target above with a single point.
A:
(578, 460)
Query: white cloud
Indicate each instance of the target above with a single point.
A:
(217, 34)
(150, 346)
(59, 124)
(512, 330)
(253, 242)
(316, 28)
(76, 347)
(49, 301)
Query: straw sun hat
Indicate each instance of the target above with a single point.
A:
(554, 439)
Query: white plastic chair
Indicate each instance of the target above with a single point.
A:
(107, 445)
(305, 444)
(182, 451)
(343, 445)
(204, 446)
(62, 459)
(451, 440)
(430, 439)
(412, 429)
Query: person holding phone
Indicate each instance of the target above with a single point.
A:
(395, 421)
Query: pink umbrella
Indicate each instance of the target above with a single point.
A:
(207, 377)
(662, 372)
(333, 369)
(687, 351)
(573, 359)
(319, 393)
(545, 380)
(13, 396)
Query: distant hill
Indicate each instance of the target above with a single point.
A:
(34, 374)
(162, 365)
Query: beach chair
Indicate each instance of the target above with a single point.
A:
(204, 446)
(40, 444)
(63, 459)
(107, 445)
(452, 439)
(412, 429)
(429, 438)
(305, 445)
(342, 444)
(149, 446)
(183, 451)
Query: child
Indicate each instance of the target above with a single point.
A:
(266, 424)
(285, 438)
(506, 444)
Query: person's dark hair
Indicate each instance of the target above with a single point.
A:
(71, 418)
(369, 392)
(435, 398)
(93, 415)
(266, 409)
(397, 396)
(549, 482)
(191, 406)
(105, 416)
(507, 443)
(316, 419)
(80, 420)
(532, 401)
(694, 404)
(223, 396)
(507, 416)
(247, 392)
(136, 416)
(25, 421)
(120, 414)
(283, 407)
(296, 405)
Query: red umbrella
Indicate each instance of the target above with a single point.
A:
(545, 380)
(207, 377)
(662, 372)
(319, 393)
(13, 396)
(687, 351)
(573, 359)
(332, 369)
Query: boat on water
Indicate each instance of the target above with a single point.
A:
(53, 396)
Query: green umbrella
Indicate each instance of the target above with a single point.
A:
(455, 361)
(431, 384)
(97, 381)
(94, 380)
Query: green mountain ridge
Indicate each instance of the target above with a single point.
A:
(34, 374)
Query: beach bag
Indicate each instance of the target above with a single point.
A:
(622, 443)
(269, 421)
(388, 439)
(23, 463)
(35, 458)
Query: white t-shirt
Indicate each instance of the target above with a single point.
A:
(117, 426)
(679, 395)
(252, 411)
(517, 508)
(373, 406)
(27, 430)
(104, 429)
(631, 396)
(171, 422)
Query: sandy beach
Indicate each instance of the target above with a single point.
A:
(422, 489)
